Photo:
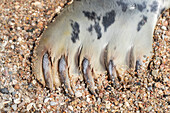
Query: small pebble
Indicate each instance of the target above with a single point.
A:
(39, 105)
(12, 46)
(70, 107)
(149, 108)
(27, 99)
(78, 94)
(127, 104)
(14, 81)
(47, 99)
(4, 90)
(29, 106)
(17, 86)
(14, 107)
(62, 4)
(11, 89)
(165, 23)
(88, 99)
(53, 103)
(57, 10)
(158, 85)
(34, 82)
(163, 28)
(38, 4)
(108, 104)
(17, 101)
(48, 107)
(1, 105)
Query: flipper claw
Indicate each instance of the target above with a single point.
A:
(88, 76)
(63, 72)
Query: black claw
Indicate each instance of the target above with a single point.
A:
(46, 65)
(88, 76)
(63, 72)
(137, 67)
(112, 73)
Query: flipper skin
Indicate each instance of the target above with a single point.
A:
(93, 37)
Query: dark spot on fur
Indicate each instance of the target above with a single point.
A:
(91, 15)
(141, 7)
(108, 19)
(154, 6)
(98, 30)
(76, 30)
(142, 23)
(123, 5)
(90, 29)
